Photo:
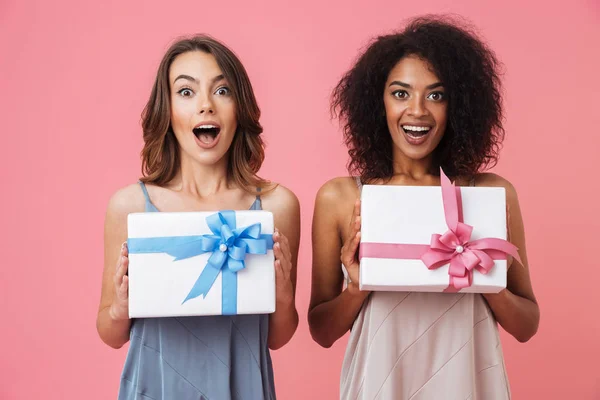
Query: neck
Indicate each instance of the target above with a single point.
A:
(411, 168)
(199, 179)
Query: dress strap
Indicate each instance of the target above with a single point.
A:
(258, 201)
(145, 191)
(358, 183)
(149, 206)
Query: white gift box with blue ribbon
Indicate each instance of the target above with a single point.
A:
(200, 263)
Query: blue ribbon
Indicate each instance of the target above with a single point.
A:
(229, 246)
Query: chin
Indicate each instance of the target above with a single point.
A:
(415, 153)
(209, 159)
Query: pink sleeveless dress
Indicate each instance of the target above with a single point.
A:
(422, 346)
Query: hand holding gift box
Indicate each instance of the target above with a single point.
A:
(414, 238)
(201, 263)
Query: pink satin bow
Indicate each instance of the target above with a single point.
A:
(455, 246)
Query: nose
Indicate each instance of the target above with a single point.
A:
(416, 107)
(206, 106)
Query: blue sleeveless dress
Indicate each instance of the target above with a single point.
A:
(198, 358)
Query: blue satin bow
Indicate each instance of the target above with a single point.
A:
(229, 246)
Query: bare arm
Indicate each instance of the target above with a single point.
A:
(515, 308)
(333, 311)
(113, 322)
(286, 213)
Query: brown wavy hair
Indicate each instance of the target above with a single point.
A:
(470, 72)
(160, 155)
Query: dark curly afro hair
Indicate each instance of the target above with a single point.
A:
(469, 72)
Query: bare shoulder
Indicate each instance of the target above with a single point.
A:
(340, 189)
(335, 201)
(494, 180)
(280, 199)
(284, 205)
(126, 200)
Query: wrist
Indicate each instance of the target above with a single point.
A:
(113, 315)
(353, 289)
(284, 300)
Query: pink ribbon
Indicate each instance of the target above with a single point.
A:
(454, 246)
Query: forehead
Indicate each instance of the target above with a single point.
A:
(198, 64)
(414, 71)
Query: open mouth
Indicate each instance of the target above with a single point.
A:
(207, 133)
(416, 132)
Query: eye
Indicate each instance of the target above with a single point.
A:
(436, 96)
(223, 91)
(185, 92)
(400, 94)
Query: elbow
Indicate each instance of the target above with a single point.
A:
(114, 345)
(524, 337)
(319, 334)
(526, 334)
(321, 337)
(111, 341)
(277, 343)
(275, 346)
(323, 342)
(280, 336)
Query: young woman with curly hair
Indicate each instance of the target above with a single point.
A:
(424, 98)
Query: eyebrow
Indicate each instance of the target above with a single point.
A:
(406, 85)
(192, 79)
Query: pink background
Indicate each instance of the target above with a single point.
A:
(74, 77)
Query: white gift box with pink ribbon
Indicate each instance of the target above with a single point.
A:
(434, 239)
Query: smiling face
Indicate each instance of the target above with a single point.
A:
(203, 110)
(415, 108)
